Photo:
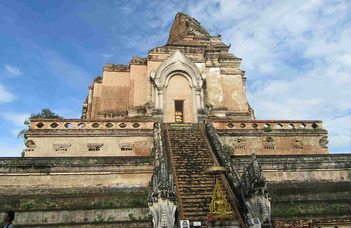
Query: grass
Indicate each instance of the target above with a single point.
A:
(267, 129)
(28, 205)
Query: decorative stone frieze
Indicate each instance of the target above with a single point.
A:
(268, 143)
(239, 144)
(323, 142)
(94, 146)
(297, 143)
(30, 144)
(61, 147)
(126, 143)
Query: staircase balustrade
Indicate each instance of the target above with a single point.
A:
(251, 205)
(163, 201)
(230, 194)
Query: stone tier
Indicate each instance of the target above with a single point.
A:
(307, 190)
(97, 206)
(56, 172)
(76, 192)
(314, 203)
(301, 168)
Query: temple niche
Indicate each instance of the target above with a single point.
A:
(149, 129)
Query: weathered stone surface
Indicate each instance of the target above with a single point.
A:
(118, 120)
(76, 206)
(303, 168)
(183, 26)
(311, 203)
(125, 87)
(75, 172)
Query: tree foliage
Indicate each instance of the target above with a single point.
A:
(44, 114)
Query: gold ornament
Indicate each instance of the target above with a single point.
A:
(220, 208)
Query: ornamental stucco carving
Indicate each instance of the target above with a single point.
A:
(177, 63)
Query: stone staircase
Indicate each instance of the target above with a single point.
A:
(191, 155)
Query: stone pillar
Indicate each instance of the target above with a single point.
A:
(202, 99)
(198, 98)
(160, 98)
(157, 102)
(195, 105)
(90, 102)
(161, 101)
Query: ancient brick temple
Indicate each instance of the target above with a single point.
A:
(148, 131)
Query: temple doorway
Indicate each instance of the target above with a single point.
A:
(179, 100)
(179, 106)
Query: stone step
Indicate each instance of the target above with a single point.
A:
(198, 214)
(196, 182)
(194, 175)
(191, 156)
(199, 166)
(191, 191)
(192, 161)
(183, 180)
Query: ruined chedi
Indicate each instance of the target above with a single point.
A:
(148, 131)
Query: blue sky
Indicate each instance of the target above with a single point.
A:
(296, 54)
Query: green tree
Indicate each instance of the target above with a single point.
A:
(44, 114)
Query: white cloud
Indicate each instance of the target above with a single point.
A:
(107, 56)
(12, 70)
(340, 140)
(69, 113)
(5, 95)
(128, 6)
(143, 45)
(275, 87)
(15, 118)
(346, 60)
(15, 132)
(73, 75)
(296, 57)
(295, 53)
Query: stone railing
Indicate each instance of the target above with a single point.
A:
(222, 155)
(253, 205)
(77, 124)
(264, 124)
(163, 201)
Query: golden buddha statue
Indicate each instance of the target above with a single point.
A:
(220, 208)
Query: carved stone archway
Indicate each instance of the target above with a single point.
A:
(178, 64)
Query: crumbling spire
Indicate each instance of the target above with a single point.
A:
(184, 25)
